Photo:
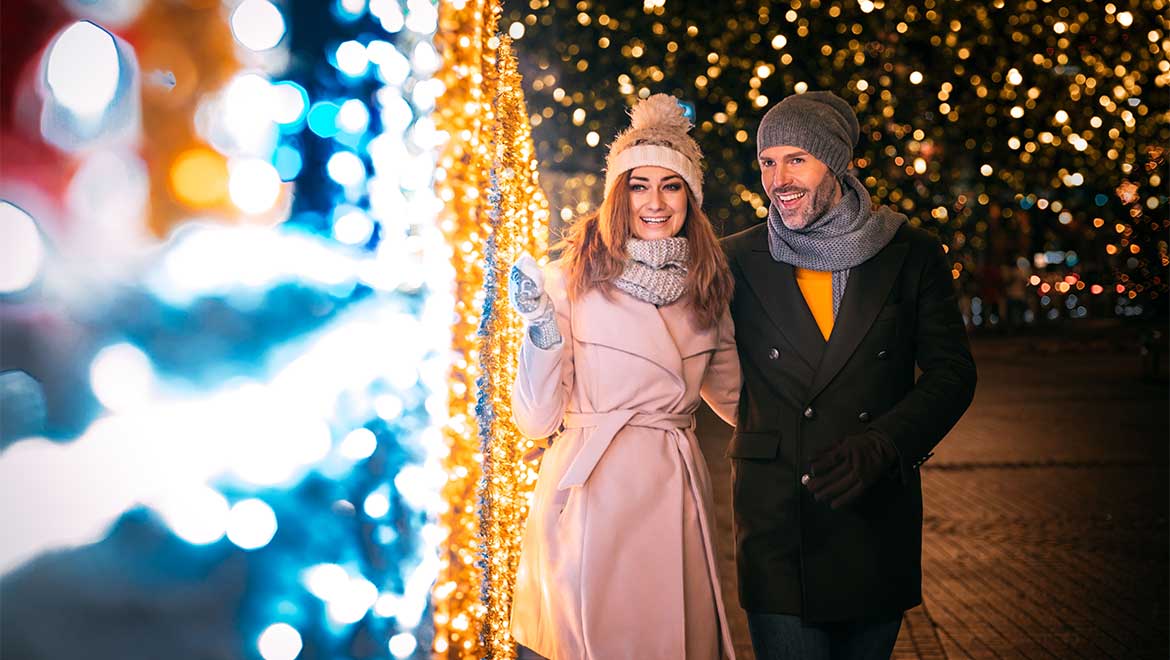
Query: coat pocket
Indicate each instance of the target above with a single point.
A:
(754, 444)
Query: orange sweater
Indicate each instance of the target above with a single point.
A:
(817, 288)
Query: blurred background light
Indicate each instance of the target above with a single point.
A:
(288, 162)
(346, 169)
(290, 101)
(353, 601)
(251, 524)
(109, 197)
(122, 377)
(388, 406)
(254, 185)
(197, 515)
(421, 16)
(425, 59)
(258, 25)
(323, 118)
(352, 59)
(389, 13)
(359, 444)
(377, 503)
(351, 9)
(111, 13)
(425, 92)
(353, 227)
(279, 641)
(243, 124)
(353, 117)
(22, 248)
(325, 581)
(393, 67)
(396, 114)
(402, 645)
(83, 69)
(199, 177)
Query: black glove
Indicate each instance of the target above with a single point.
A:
(844, 471)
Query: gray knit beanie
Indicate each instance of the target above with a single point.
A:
(821, 123)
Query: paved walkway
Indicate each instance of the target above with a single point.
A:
(1046, 510)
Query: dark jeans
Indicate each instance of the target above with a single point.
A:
(785, 637)
(525, 653)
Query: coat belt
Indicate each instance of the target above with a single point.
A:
(604, 427)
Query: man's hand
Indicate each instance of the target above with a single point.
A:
(844, 471)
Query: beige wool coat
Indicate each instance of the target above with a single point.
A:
(618, 557)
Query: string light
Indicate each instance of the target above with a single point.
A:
(495, 210)
(463, 39)
(1036, 91)
(519, 217)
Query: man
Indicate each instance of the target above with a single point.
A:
(835, 304)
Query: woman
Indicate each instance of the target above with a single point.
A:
(623, 334)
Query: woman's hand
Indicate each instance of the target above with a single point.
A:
(527, 296)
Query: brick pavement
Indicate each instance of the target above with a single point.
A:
(1045, 533)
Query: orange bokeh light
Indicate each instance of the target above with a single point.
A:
(199, 178)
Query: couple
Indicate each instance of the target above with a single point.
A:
(803, 332)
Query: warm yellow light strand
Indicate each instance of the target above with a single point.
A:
(483, 112)
(463, 112)
(521, 227)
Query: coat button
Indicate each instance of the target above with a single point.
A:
(773, 354)
(809, 413)
(882, 354)
(863, 417)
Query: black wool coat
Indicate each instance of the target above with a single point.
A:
(801, 394)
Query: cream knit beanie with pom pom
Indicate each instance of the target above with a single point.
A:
(657, 136)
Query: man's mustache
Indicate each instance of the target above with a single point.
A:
(784, 190)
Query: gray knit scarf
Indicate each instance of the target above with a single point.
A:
(847, 235)
(656, 271)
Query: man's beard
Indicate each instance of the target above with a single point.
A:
(820, 202)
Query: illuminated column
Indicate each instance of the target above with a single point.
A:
(495, 211)
(465, 38)
(519, 221)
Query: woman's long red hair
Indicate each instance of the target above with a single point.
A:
(594, 253)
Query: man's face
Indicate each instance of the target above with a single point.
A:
(801, 187)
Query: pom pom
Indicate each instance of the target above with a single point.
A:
(659, 111)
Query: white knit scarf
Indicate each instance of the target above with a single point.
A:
(656, 271)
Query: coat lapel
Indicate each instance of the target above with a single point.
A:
(680, 323)
(869, 285)
(774, 284)
(623, 323)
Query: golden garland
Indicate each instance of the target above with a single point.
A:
(463, 112)
(490, 146)
(520, 226)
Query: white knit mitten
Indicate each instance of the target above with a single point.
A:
(527, 296)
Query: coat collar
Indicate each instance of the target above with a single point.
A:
(665, 335)
(774, 284)
(869, 286)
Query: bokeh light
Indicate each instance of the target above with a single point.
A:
(279, 641)
(199, 177)
(254, 185)
(290, 102)
(257, 24)
(198, 515)
(122, 377)
(251, 524)
(23, 249)
(83, 69)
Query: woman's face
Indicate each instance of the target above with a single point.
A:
(658, 200)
